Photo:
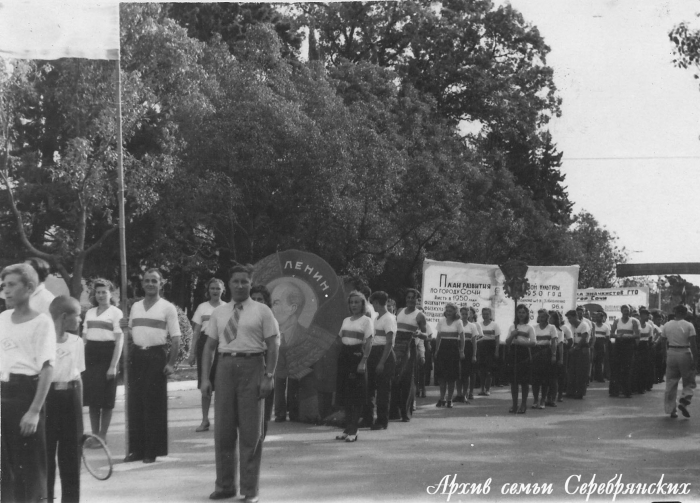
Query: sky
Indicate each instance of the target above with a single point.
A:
(630, 125)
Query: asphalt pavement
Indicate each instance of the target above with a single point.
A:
(478, 450)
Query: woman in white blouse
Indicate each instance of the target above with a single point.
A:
(449, 350)
(103, 347)
(521, 337)
(351, 383)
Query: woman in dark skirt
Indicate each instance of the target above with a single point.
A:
(557, 386)
(449, 351)
(214, 290)
(544, 358)
(521, 337)
(103, 347)
(351, 383)
(467, 369)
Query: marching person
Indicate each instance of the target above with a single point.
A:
(381, 363)
(41, 298)
(449, 351)
(149, 323)
(521, 337)
(681, 361)
(356, 336)
(579, 357)
(467, 370)
(103, 346)
(602, 341)
(247, 337)
(214, 290)
(659, 347)
(564, 339)
(625, 332)
(644, 368)
(409, 321)
(64, 403)
(544, 358)
(28, 342)
(487, 349)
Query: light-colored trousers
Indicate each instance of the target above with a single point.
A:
(238, 419)
(679, 363)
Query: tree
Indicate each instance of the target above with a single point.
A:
(598, 252)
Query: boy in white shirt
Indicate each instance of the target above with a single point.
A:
(64, 403)
(28, 343)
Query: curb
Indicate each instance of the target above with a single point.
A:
(172, 386)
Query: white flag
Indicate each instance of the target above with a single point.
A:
(59, 29)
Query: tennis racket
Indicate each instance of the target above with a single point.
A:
(96, 456)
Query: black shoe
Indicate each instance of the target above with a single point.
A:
(149, 460)
(458, 399)
(221, 495)
(448, 404)
(378, 426)
(405, 419)
(683, 409)
(131, 457)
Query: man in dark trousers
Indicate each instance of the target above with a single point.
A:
(248, 339)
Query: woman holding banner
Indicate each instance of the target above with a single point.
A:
(351, 384)
(449, 350)
(521, 337)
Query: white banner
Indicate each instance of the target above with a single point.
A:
(611, 299)
(59, 29)
(479, 286)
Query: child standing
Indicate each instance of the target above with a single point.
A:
(64, 404)
(28, 343)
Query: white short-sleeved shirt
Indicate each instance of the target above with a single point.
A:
(646, 332)
(678, 333)
(25, 347)
(41, 300)
(545, 335)
(151, 328)
(386, 324)
(564, 333)
(490, 332)
(602, 331)
(102, 327)
(70, 359)
(580, 331)
(356, 332)
(445, 331)
(256, 324)
(471, 331)
(524, 332)
(203, 313)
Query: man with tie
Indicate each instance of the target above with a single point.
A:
(247, 337)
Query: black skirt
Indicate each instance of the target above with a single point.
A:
(541, 364)
(351, 386)
(466, 366)
(98, 391)
(447, 360)
(520, 364)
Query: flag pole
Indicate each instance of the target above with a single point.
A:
(122, 251)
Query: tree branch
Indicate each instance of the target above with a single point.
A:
(102, 239)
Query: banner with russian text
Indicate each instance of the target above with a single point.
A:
(611, 300)
(481, 285)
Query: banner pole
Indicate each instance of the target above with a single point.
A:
(122, 251)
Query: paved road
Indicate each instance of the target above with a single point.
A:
(598, 436)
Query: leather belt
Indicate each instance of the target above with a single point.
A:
(239, 355)
(679, 347)
(146, 348)
(64, 385)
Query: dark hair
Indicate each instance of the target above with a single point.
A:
(244, 268)
(366, 291)
(41, 266)
(262, 289)
(416, 292)
(63, 304)
(521, 306)
(557, 318)
(571, 312)
(680, 310)
(380, 297)
(643, 310)
(101, 283)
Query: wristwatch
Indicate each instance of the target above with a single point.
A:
(269, 375)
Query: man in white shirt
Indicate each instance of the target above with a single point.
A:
(248, 339)
(41, 298)
(681, 361)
